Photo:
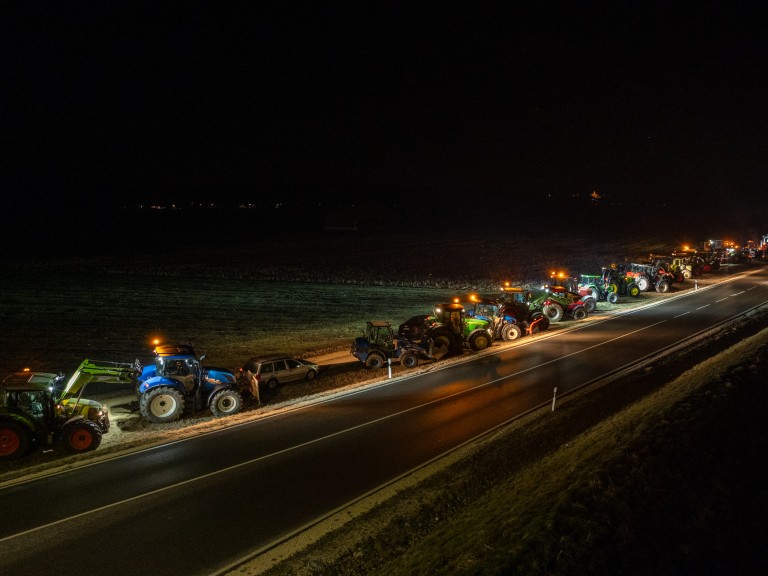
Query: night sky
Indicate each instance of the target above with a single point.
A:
(128, 103)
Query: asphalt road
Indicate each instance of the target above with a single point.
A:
(199, 505)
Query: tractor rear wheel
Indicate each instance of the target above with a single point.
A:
(375, 360)
(510, 332)
(82, 436)
(162, 404)
(553, 311)
(14, 441)
(612, 297)
(408, 359)
(579, 313)
(443, 338)
(479, 340)
(226, 402)
(643, 282)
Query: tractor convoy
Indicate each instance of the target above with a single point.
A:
(42, 409)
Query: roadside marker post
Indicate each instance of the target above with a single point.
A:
(554, 395)
(389, 367)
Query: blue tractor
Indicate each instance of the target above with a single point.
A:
(178, 380)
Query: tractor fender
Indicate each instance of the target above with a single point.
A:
(157, 381)
(74, 418)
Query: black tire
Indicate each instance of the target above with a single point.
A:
(590, 304)
(553, 311)
(375, 360)
(539, 323)
(687, 274)
(443, 339)
(579, 313)
(81, 436)
(510, 332)
(226, 402)
(633, 290)
(612, 297)
(162, 404)
(662, 286)
(643, 282)
(479, 340)
(311, 375)
(409, 359)
(272, 384)
(14, 441)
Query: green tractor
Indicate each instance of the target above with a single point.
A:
(615, 276)
(39, 409)
(450, 328)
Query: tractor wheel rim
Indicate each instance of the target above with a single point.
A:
(82, 440)
(162, 405)
(226, 405)
(9, 441)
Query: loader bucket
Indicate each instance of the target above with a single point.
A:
(439, 351)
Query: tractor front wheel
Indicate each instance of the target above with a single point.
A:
(14, 441)
(634, 290)
(409, 359)
(643, 282)
(226, 402)
(590, 304)
(82, 436)
(553, 311)
(662, 286)
(479, 341)
(579, 313)
(510, 332)
(162, 404)
(539, 323)
(612, 297)
(374, 361)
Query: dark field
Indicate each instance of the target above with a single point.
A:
(104, 292)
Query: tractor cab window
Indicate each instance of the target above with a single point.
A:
(455, 320)
(32, 402)
(485, 310)
(177, 368)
